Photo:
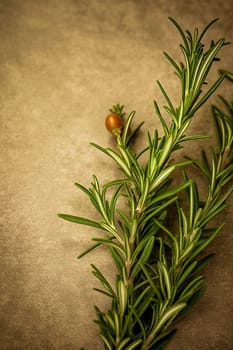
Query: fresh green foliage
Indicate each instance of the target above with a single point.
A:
(159, 265)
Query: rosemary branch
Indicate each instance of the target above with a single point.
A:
(158, 268)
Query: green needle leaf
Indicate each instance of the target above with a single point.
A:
(80, 220)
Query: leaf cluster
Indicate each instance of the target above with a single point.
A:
(159, 265)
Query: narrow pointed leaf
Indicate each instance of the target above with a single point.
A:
(80, 220)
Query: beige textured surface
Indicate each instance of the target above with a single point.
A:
(63, 64)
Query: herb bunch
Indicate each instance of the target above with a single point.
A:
(158, 265)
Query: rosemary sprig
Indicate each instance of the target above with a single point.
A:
(158, 267)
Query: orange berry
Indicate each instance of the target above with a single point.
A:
(114, 123)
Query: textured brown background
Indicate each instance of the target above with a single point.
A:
(62, 65)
